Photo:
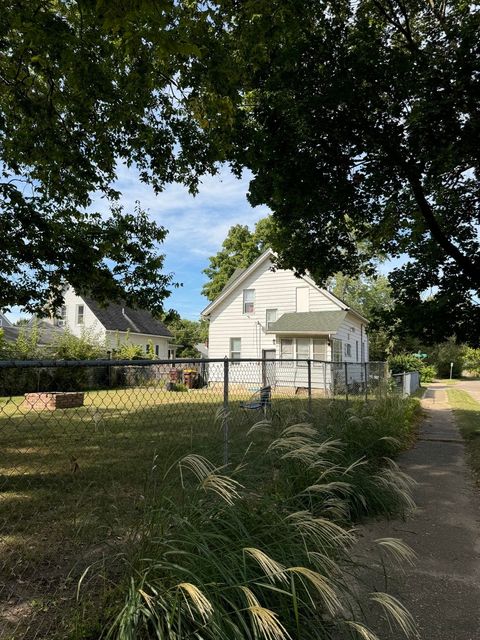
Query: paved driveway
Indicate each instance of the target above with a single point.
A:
(471, 386)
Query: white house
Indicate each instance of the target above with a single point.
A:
(273, 314)
(114, 324)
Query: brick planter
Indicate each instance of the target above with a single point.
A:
(53, 400)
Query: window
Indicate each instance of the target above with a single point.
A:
(80, 313)
(303, 350)
(336, 350)
(286, 349)
(348, 350)
(356, 350)
(249, 301)
(303, 299)
(319, 351)
(157, 350)
(235, 348)
(271, 316)
(62, 320)
(147, 348)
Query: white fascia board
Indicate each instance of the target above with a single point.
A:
(226, 292)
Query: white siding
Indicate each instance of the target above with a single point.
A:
(303, 299)
(113, 337)
(273, 290)
(90, 322)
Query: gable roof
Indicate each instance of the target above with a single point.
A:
(308, 322)
(237, 278)
(116, 317)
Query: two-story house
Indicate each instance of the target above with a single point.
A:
(267, 313)
(114, 324)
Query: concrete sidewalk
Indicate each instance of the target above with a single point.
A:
(442, 590)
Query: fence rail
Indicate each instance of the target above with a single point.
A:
(79, 441)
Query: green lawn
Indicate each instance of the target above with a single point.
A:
(467, 414)
(73, 482)
(75, 485)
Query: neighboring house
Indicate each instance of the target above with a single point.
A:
(45, 330)
(271, 313)
(114, 324)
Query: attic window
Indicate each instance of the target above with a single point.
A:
(80, 313)
(249, 301)
(62, 320)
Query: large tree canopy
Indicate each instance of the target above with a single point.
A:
(84, 86)
(361, 124)
(359, 120)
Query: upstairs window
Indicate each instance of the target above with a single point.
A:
(157, 350)
(249, 301)
(348, 350)
(235, 348)
(80, 313)
(270, 318)
(62, 320)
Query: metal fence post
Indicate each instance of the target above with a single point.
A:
(309, 378)
(346, 380)
(366, 381)
(225, 410)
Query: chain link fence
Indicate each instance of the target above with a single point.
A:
(78, 445)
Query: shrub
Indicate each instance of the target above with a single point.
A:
(445, 353)
(404, 362)
(427, 373)
(472, 360)
(67, 346)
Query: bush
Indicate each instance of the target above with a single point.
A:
(445, 353)
(472, 360)
(427, 373)
(404, 362)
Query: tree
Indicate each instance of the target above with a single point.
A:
(239, 249)
(360, 122)
(187, 333)
(85, 86)
(373, 297)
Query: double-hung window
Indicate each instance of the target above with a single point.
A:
(348, 350)
(249, 301)
(303, 351)
(62, 320)
(286, 349)
(319, 351)
(235, 348)
(271, 317)
(336, 350)
(80, 313)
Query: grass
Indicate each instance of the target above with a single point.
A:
(79, 487)
(467, 415)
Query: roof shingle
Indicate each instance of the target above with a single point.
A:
(308, 322)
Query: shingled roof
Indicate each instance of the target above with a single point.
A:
(309, 322)
(116, 317)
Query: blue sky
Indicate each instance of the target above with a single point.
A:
(196, 227)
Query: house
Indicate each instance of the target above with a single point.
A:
(272, 314)
(114, 324)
